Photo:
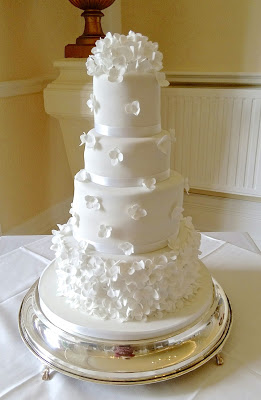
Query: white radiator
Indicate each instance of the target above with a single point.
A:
(218, 136)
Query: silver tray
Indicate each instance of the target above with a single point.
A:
(125, 362)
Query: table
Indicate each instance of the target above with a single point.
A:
(235, 262)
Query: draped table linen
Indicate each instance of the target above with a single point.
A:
(234, 261)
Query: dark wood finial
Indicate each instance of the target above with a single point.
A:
(92, 30)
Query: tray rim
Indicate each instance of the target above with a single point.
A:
(188, 367)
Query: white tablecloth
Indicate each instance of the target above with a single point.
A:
(236, 264)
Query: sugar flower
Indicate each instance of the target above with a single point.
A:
(176, 213)
(117, 54)
(136, 266)
(136, 212)
(92, 103)
(133, 108)
(127, 248)
(104, 231)
(82, 176)
(149, 183)
(161, 78)
(64, 230)
(92, 203)
(116, 156)
(163, 144)
(75, 218)
(88, 139)
(186, 185)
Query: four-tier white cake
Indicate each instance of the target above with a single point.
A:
(127, 253)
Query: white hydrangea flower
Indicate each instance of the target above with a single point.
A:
(127, 248)
(92, 203)
(136, 266)
(186, 185)
(149, 183)
(64, 230)
(75, 218)
(117, 54)
(91, 65)
(161, 78)
(136, 212)
(120, 62)
(163, 144)
(83, 246)
(115, 75)
(88, 139)
(82, 176)
(92, 103)
(176, 213)
(104, 231)
(133, 108)
(116, 156)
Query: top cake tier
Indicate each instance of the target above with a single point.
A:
(130, 108)
(126, 85)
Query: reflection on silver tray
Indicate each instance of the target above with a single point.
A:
(125, 363)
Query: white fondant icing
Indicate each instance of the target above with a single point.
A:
(76, 322)
(146, 234)
(128, 287)
(135, 166)
(129, 275)
(111, 117)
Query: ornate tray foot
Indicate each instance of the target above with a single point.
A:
(46, 374)
(219, 359)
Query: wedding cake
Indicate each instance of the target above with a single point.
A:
(127, 253)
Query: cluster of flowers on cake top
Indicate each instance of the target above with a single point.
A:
(118, 54)
(123, 288)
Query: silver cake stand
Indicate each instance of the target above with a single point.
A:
(125, 362)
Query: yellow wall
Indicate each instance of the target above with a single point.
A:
(33, 34)
(200, 35)
(34, 171)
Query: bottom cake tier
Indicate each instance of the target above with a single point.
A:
(61, 314)
(128, 288)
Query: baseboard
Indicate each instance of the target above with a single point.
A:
(219, 214)
(43, 223)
